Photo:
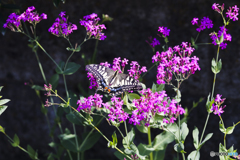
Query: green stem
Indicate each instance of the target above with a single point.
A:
(150, 142)
(95, 52)
(74, 128)
(19, 146)
(48, 55)
(69, 154)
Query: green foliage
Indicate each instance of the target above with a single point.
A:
(69, 69)
(54, 81)
(16, 141)
(162, 140)
(32, 153)
(114, 141)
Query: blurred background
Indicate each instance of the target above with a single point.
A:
(133, 22)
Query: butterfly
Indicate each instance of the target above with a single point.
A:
(113, 82)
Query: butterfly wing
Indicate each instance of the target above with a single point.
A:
(119, 82)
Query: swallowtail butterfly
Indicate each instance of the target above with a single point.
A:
(111, 81)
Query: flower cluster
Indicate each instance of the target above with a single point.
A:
(151, 104)
(232, 12)
(164, 31)
(48, 89)
(153, 42)
(135, 70)
(216, 37)
(90, 22)
(205, 23)
(216, 106)
(14, 21)
(116, 110)
(61, 28)
(169, 63)
(119, 65)
(92, 101)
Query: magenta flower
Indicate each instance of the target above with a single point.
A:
(232, 13)
(217, 36)
(86, 104)
(61, 28)
(153, 42)
(116, 110)
(181, 63)
(194, 21)
(216, 106)
(164, 31)
(151, 104)
(14, 21)
(94, 30)
(205, 23)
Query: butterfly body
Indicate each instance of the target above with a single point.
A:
(111, 81)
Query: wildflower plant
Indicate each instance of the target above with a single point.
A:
(149, 108)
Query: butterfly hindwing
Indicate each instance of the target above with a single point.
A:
(111, 81)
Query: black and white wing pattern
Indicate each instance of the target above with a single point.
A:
(111, 81)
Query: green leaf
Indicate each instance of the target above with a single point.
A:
(195, 134)
(142, 128)
(160, 87)
(127, 141)
(214, 64)
(221, 127)
(136, 151)
(208, 136)
(74, 118)
(219, 65)
(68, 141)
(133, 96)
(78, 49)
(88, 141)
(184, 131)
(2, 129)
(73, 99)
(230, 129)
(162, 140)
(71, 68)
(59, 70)
(113, 143)
(37, 87)
(125, 99)
(154, 88)
(106, 17)
(54, 81)
(173, 127)
(32, 154)
(179, 147)
(2, 109)
(4, 101)
(144, 149)
(209, 104)
(159, 155)
(1, 88)
(50, 157)
(194, 155)
(16, 141)
(221, 150)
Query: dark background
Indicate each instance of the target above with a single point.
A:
(134, 21)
